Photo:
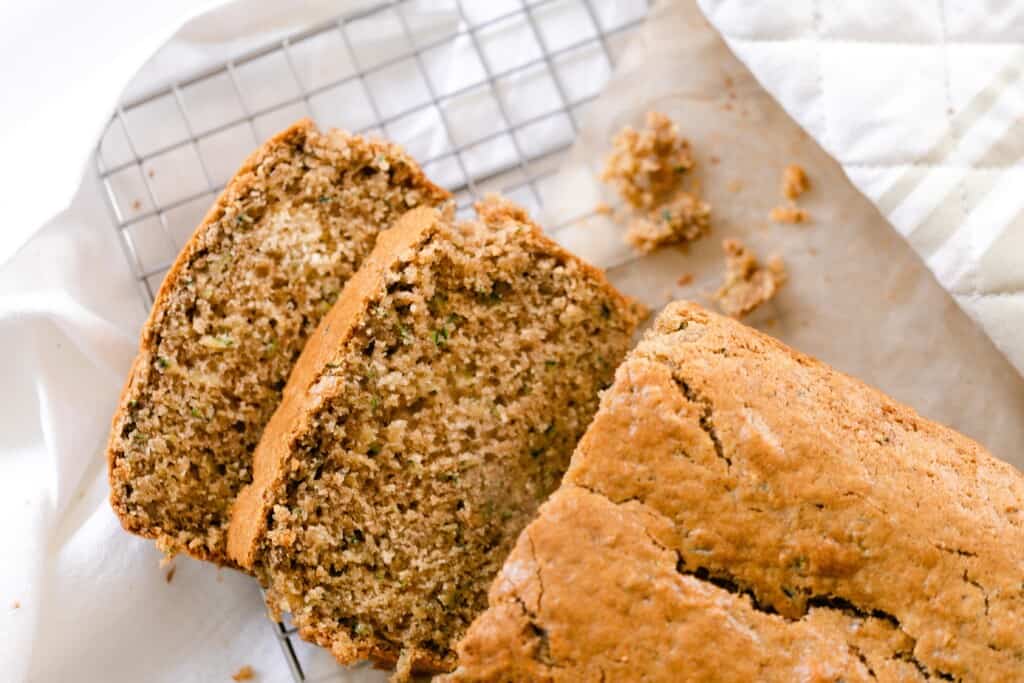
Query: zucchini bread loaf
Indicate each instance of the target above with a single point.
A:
(740, 512)
(433, 410)
(231, 318)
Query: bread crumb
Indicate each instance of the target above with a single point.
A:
(789, 214)
(638, 309)
(136, 205)
(734, 185)
(170, 573)
(603, 209)
(151, 173)
(685, 219)
(794, 181)
(685, 279)
(646, 166)
(16, 604)
(648, 169)
(403, 667)
(747, 284)
(244, 674)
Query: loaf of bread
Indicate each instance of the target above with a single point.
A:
(740, 512)
(433, 410)
(231, 318)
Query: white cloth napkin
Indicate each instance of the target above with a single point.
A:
(64, 65)
(80, 600)
(922, 104)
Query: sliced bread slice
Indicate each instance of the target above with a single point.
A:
(433, 410)
(231, 318)
(738, 511)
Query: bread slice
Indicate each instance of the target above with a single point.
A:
(436, 406)
(738, 511)
(231, 318)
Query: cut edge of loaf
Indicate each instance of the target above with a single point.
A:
(249, 514)
(239, 184)
(252, 507)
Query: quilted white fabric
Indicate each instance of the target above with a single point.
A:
(921, 101)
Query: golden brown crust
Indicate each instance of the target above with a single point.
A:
(242, 183)
(249, 515)
(740, 511)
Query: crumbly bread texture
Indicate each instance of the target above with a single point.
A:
(789, 213)
(433, 410)
(233, 315)
(681, 220)
(794, 181)
(648, 168)
(738, 511)
(646, 165)
(245, 673)
(748, 284)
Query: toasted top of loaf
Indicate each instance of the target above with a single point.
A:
(436, 406)
(231, 317)
(739, 511)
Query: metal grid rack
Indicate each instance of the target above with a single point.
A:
(166, 155)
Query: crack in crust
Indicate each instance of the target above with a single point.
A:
(706, 423)
(847, 538)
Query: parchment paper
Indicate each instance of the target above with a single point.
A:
(858, 297)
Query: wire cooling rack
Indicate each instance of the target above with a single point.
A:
(166, 155)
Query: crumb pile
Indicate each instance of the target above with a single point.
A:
(748, 284)
(794, 183)
(245, 673)
(647, 168)
(740, 512)
(232, 317)
(789, 214)
(435, 408)
(681, 220)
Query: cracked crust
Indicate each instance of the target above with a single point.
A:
(738, 511)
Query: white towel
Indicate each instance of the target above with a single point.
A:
(922, 103)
